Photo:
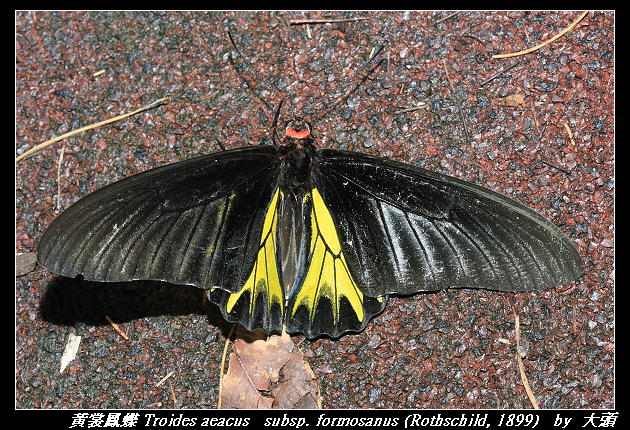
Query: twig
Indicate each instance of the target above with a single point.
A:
(117, 328)
(555, 166)
(566, 125)
(172, 393)
(499, 73)
(521, 368)
(324, 20)
(531, 101)
(557, 36)
(165, 378)
(411, 109)
(574, 319)
(225, 348)
(59, 162)
(459, 107)
(446, 17)
(387, 83)
(472, 36)
(89, 127)
(526, 33)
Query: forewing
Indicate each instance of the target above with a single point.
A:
(196, 222)
(405, 229)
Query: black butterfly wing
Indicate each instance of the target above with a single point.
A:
(198, 222)
(404, 229)
(371, 227)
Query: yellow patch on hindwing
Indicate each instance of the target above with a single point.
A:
(264, 278)
(328, 275)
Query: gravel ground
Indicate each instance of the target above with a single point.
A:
(439, 350)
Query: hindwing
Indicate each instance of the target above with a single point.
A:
(325, 298)
(259, 304)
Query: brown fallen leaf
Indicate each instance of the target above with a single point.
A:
(298, 388)
(25, 263)
(513, 100)
(268, 372)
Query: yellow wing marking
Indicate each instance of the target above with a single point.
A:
(328, 275)
(264, 278)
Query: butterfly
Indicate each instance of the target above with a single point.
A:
(307, 238)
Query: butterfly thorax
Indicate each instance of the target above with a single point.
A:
(298, 154)
(296, 179)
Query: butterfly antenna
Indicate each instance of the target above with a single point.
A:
(275, 122)
(358, 72)
(271, 87)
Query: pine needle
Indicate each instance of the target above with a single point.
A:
(557, 36)
(89, 127)
(225, 348)
(165, 378)
(117, 328)
(521, 368)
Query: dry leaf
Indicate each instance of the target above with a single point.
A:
(25, 263)
(267, 373)
(72, 347)
(513, 100)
